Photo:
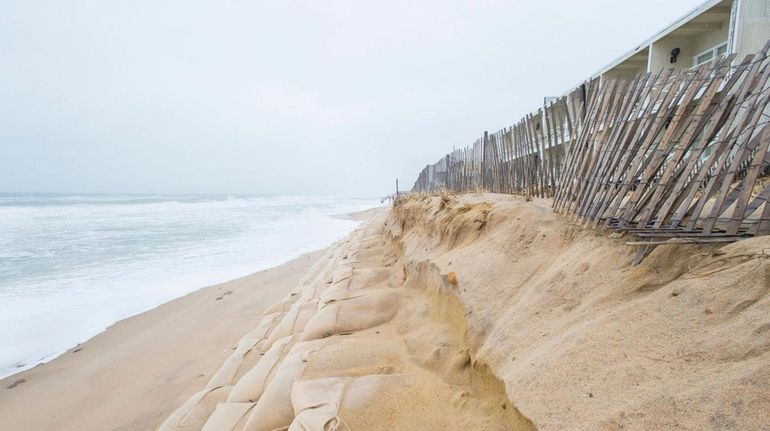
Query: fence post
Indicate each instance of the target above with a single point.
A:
(484, 159)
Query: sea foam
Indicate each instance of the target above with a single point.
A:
(70, 266)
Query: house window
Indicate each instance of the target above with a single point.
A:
(710, 54)
(721, 49)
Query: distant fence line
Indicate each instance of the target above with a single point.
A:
(675, 154)
(526, 158)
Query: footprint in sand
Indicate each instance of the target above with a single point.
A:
(16, 383)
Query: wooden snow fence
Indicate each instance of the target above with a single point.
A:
(526, 158)
(673, 156)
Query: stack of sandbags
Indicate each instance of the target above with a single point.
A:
(273, 410)
(350, 312)
(253, 389)
(370, 402)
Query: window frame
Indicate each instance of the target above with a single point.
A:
(714, 51)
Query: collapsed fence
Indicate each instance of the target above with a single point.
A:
(675, 154)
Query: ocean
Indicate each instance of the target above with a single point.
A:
(72, 265)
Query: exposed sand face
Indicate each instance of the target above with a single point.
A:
(581, 339)
(132, 376)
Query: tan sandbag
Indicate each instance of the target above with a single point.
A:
(317, 279)
(316, 404)
(374, 402)
(333, 292)
(228, 417)
(355, 313)
(286, 303)
(312, 291)
(342, 273)
(354, 355)
(274, 410)
(250, 387)
(293, 322)
(259, 333)
(368, 278)
(225, 375)
(328, 274)
(245, 356)
(278, 307)
(315, 269)
(195, 411)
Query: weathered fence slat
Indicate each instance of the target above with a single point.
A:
(675, 154)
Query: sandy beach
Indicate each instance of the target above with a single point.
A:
(385, 216)
(134, 374)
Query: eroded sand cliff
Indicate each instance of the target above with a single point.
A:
(490, 312)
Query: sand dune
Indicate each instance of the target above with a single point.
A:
(581, 339)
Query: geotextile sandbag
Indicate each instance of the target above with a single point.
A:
(359, 311)
(368, 278)
(281, 306)
(293, 322)
(196, 410)
(354, 355)
(274, 410)
(316, 404)
(333, 293)
(259, 333)
(228, 417)
(372, 402)
(342, 273)
(250, 387)
(312, 291)
(245, 354)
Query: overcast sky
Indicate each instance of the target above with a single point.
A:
(282, 97)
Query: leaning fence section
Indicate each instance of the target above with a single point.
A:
(677, 154)
(674, 154)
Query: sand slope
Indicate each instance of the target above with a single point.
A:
(581, 339)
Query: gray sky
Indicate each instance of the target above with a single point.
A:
(282, 97)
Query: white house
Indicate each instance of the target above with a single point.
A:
(713, 28)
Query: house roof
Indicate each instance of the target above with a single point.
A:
(677, 24)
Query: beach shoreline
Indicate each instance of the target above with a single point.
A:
(136, 371)
(71, 265)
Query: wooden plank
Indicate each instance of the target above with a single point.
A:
(742, 152)
(619, 145)
(667, 126)
(647, 131)
(672, 241)
(675, 151)
(685, 189)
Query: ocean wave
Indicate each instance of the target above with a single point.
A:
(68, 270)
